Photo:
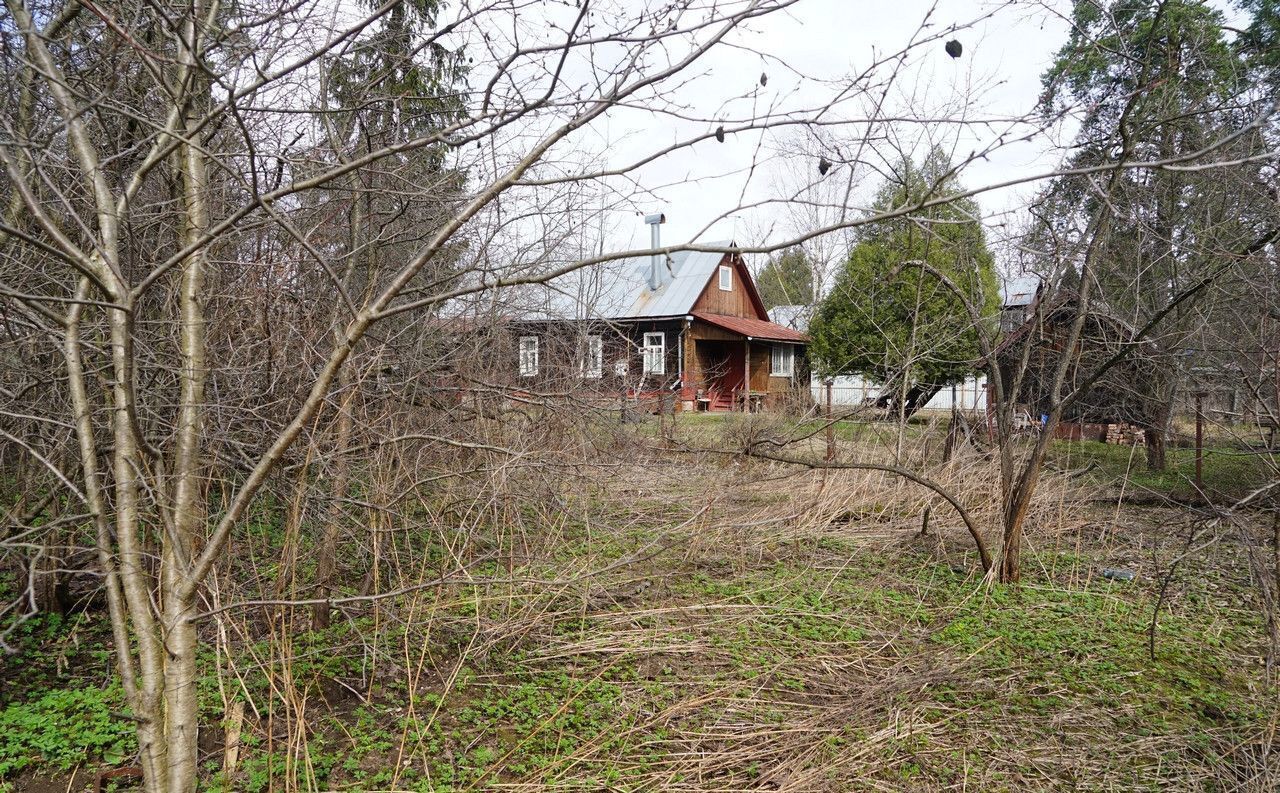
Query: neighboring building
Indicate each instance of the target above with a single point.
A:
(1016, 301)
(796, 317)
(1119, 396)
(689, 328)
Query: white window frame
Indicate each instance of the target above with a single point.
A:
(654, 353)
(593, 358)
(782, 363)
(726, 278)
(528, 356)
(1011, 319)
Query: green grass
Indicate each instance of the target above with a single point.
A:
(1228, 472)
(1024, 659)
(1089, 648)
(1087, 645)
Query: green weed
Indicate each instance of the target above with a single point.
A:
(64, 728)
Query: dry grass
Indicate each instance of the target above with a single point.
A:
(628, 614)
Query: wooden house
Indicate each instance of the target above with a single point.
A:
(1029, 355)
(686, 330)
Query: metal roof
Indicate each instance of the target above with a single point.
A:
(1019, 290)
(753, 328)
(620, 289)
(792, 316)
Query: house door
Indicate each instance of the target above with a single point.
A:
(723, 370)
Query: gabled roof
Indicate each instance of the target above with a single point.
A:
(1060, 307)
(795, 317)
(753, 328)
(1019, 290)
(620, 289)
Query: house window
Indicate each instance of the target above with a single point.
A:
(593, 358)
(620, 367)
(726, 279)
(528, 356)
(1010, 319)
(784, 360)
(655, 353)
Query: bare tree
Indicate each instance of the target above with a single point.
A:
(252, 251)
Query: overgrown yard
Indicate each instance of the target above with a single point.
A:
(706, 622)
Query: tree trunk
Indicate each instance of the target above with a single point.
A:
(1156, 459)
(1157, 432)
(327, 553)
(181, 708)
(1016, 505)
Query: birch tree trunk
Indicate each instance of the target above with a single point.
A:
(188, 499)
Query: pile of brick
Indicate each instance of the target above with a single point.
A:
(1126, 434)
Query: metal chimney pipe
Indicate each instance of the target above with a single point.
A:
(655, 242)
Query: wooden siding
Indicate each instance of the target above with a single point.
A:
(692, 365)
(671, 345)
(711, 357)
(700, 358)
(737, 302)
(706, 348)
(760, 355)
(561, 346)
(702, 330)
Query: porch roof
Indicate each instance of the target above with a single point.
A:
(753, 328)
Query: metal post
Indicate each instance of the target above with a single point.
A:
(991, 417)
(655, 241)
(1199, 441)
(831, 430)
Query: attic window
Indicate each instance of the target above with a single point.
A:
(726, 278)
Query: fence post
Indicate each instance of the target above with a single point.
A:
(1199, 441)
(831, 430)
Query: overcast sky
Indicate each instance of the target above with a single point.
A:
(810, 52)
(997, 76)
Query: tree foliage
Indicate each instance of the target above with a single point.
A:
(1157, 82)
(786, 280)
(1260, 42)
(889, 315)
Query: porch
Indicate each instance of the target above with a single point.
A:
(717, 377)
(737, 364)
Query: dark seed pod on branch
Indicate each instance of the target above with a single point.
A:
(764, 79)
(720, 134)
(954, 48)
(824, 165)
